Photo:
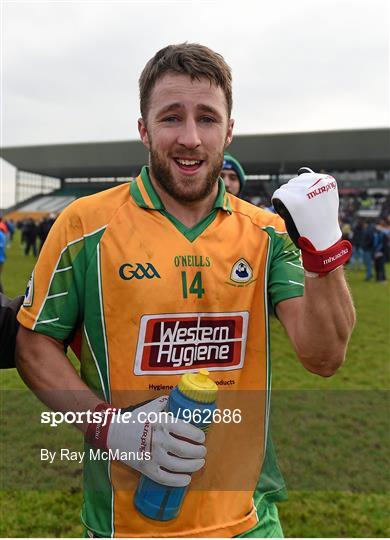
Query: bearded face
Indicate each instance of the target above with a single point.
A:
(181, 186)
(186, 131)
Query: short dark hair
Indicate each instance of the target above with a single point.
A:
(189, 59)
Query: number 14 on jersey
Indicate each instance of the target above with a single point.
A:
(194, 288)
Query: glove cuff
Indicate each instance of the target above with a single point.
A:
(97, 431)
(326, 260)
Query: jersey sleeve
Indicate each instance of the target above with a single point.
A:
(53, 302)
(285, 277)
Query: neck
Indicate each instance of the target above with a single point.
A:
(188, 213)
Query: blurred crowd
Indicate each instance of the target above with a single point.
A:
(369, 234)
(34, 233)
(32, 238)
(370, 242)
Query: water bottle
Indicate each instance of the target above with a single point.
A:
(192, 400)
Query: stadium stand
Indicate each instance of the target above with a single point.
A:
(47, 204)
(359, 159)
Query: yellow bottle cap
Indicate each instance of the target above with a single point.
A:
(198, 386)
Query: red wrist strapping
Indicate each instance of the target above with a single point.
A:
(327, 260)
(97, 430)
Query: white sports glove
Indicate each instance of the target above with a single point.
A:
(309, 205)
(171, 456)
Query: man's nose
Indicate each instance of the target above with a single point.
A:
(189, 134)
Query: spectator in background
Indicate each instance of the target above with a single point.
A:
(3, 227)
(44, 227)
(346, 231)
(23, 225)
(368, 246)
(385, 227)
(385, 211)
(232, 174)
(3, 243)
(357, 245)
(379, 250)
(30, 234)
(11, 228)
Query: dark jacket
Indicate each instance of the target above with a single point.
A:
(368, 238)
(8, 329)
(357, 236)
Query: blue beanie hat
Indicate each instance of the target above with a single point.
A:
(229, 162)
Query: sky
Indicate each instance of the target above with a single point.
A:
(69, 70)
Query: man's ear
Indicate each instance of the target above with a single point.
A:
(229, 135)
(143, 132)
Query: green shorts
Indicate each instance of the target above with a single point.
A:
(268, 526)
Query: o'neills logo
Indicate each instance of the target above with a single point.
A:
(335, 257)
(323, 189)
(177, 343)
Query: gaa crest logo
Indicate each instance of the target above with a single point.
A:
(139, 271)
(241, 272)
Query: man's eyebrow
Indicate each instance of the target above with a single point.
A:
(208, 109)
(171, 107)
(177, 106)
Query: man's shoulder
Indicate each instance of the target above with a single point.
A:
(110, 198)
(94, 211)
(260, 217)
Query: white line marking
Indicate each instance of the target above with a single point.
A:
(293, 264)
(55, 295)
(48, 321)
(54, 271)
(96, 362)
(63, 269)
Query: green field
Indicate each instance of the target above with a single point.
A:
(334, 431)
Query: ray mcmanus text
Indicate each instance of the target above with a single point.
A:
(95, 454)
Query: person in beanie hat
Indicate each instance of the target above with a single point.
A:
(232, 174)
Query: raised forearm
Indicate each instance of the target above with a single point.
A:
(320, 323)
(324, 323)
(44, 367)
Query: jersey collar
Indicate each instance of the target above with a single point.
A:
(145, 196)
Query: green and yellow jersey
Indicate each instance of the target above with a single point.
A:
(154, 300)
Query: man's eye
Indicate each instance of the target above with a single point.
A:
(170, 119)
(207, 119)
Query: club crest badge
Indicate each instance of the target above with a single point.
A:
(29, 294)
(241, 272)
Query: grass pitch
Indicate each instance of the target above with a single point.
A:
(348, 454)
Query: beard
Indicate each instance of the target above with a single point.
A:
(186, 189)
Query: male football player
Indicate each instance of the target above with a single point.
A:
(169, 274)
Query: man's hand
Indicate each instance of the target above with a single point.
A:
(176, 447)
(309, 205)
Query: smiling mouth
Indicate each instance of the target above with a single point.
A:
(188, 165)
